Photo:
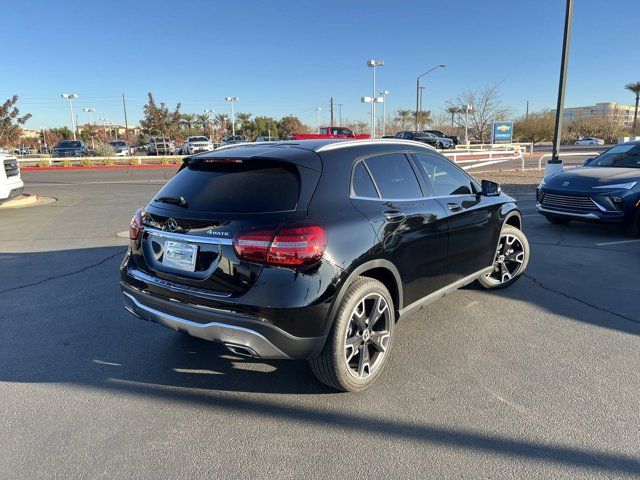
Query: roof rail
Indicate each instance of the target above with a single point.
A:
(379, 141)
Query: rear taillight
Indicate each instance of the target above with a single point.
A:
(135, 227)
(284, 246)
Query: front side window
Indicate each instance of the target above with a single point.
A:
(444, 177)
(394, 176)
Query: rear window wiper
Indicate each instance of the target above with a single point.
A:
(180, 201)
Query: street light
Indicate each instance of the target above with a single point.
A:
(373, 64)
(466, 124)
(90, 111)
(442, 65)
(209, 111)
(318, 112)
(71, 96)
(384, 94)
(372, 100)
(554, 165)
(233, 116)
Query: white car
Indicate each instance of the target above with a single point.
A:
(10, 181)
(196, 144)
(590, 141)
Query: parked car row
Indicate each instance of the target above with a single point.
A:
(439, 142)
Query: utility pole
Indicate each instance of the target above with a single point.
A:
(126, 124)
(339, 105)
(419, 111)
(555, 164)
(331, 107)
(526, 113)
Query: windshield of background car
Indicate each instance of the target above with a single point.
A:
(198, 139)
(619, 156)
(69, 145)
(118, 144)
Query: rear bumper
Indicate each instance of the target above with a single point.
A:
(241, 333)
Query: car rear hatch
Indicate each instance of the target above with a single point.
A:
(187, 239)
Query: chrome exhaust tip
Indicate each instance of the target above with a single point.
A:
(241, 350)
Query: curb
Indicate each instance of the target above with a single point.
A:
(24, 200)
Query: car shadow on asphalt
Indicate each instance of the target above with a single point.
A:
(71, 328)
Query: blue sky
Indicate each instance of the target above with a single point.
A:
(284, 57)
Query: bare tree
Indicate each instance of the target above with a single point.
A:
(486, 108)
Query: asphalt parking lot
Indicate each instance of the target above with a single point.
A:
(540, 380)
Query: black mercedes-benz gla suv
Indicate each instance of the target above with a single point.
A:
(314, 249)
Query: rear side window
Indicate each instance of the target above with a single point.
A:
(362, 184)
(243, 187)
(394, 176)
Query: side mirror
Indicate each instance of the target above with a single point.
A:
(490, 189)
(588, 161)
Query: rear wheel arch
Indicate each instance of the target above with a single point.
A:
(380, 269)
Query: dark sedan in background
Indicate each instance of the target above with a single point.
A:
(605, 189)
(71, 148)
(430, 139)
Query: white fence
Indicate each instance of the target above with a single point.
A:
(570, 154)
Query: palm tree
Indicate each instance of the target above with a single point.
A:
(202, 120)
(424, 117)
(402, 116)
(453, 110)
(635, 88)
(187, 120)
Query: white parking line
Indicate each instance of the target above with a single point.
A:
(617, 243)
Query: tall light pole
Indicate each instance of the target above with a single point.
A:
(442, 65)
(209, 111)
(71, 96)
(468, 109)
(233, 115)
(90, 111)
(373, 64)
(372, 100)
(384, 94)
(318, 122)
(555, 164)
(44, 139)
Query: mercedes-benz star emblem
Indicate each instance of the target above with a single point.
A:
(172, 225)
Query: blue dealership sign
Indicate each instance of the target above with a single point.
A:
(502, 132)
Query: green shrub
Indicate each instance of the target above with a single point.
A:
(134, 161)
(109, 161)
(43, 163)
(164, 161)
(86, 162)
(67, 163)
(104, 150)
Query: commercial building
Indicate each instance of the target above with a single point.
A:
(608, 110)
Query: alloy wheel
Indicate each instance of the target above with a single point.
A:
(367, 335)
(508, 261)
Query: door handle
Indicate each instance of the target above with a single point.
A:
(454, 207)
(394, 216)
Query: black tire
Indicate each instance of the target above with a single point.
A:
(438, 146)
(510, 262)
(332, 367)
(557, 220)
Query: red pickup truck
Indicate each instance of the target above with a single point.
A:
(330, 132)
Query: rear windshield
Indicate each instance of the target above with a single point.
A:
(238, 186)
